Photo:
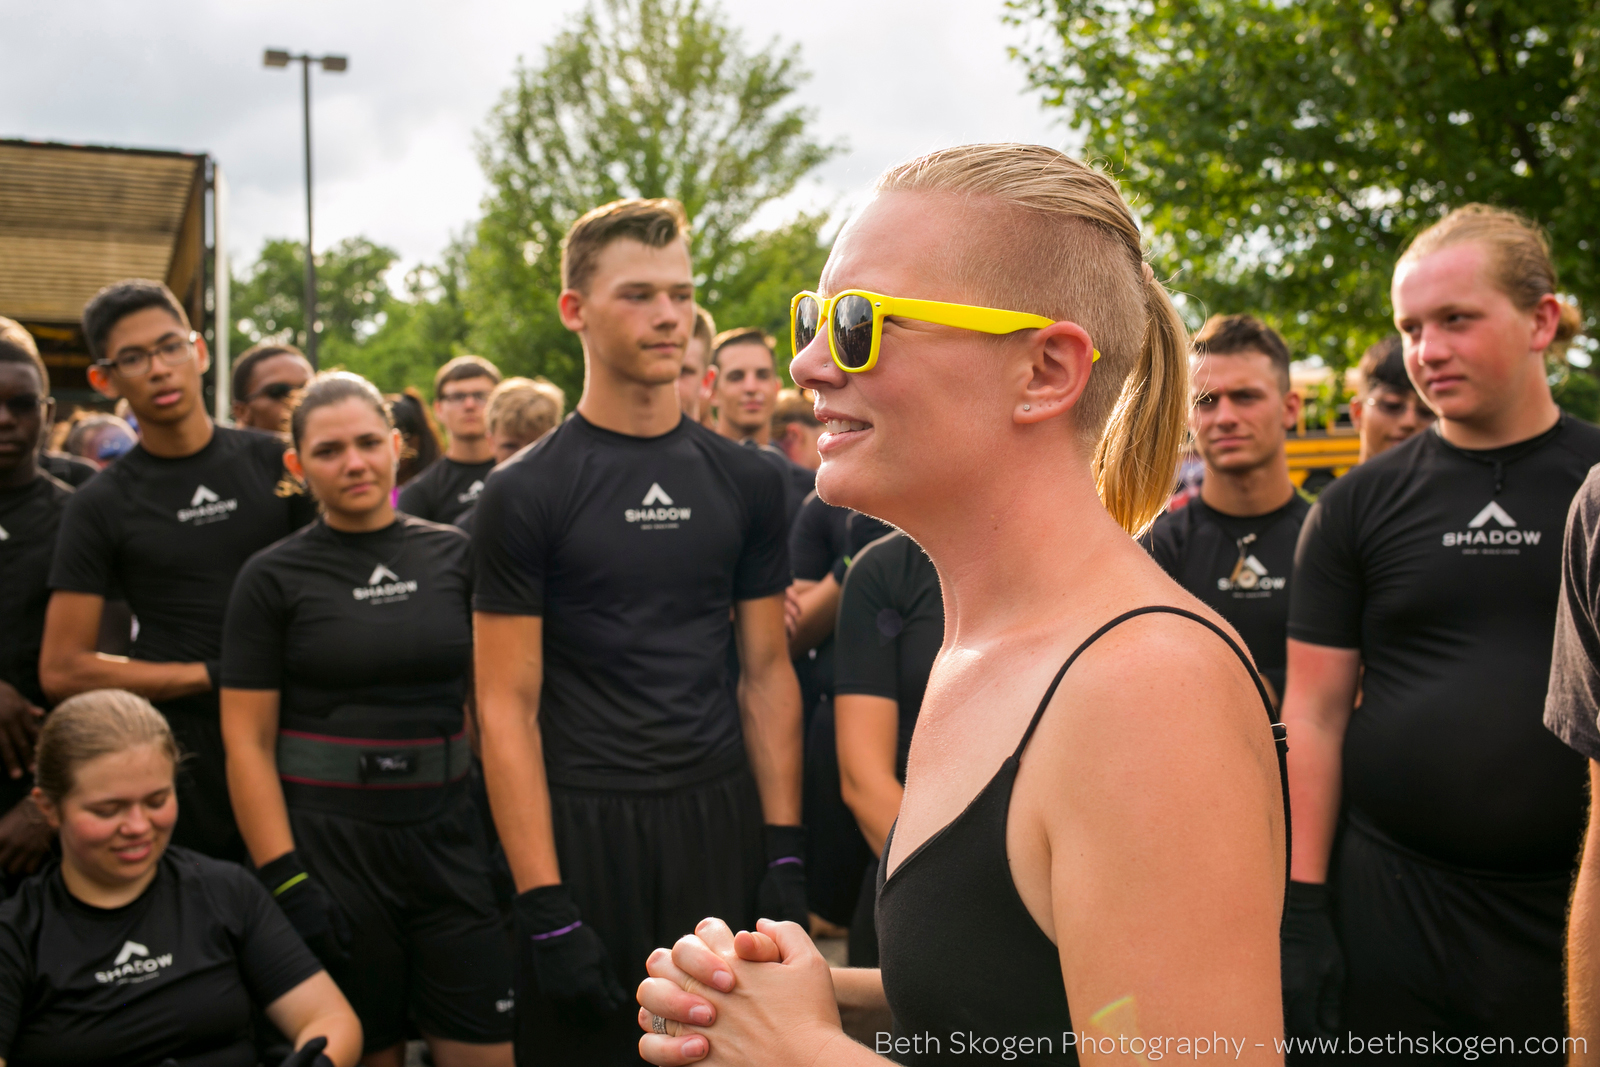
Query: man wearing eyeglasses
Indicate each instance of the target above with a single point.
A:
(1387, 410)
(1233, 546)
(265, 378)
(452, 484)
(167, 526)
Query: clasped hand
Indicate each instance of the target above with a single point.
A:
(764, 998)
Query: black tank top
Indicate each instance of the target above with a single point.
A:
(952, 901)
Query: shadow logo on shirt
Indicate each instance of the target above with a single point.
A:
(1498, 540)
(656, 511)
(384, 587)
(133, 964)
(473, 492)
(1250, 575)
(4, 536)
(206, 507)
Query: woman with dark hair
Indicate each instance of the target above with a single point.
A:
(344, 674)
(129, 951)
(419, 437)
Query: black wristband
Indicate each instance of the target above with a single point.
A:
(282, 874)
(1308, 896)
(785, 845)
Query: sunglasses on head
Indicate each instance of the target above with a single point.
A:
(855, 317)
(274, 391)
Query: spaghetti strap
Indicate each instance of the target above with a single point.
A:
(1279, 732)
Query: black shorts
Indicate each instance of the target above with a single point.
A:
(431, 945)
(205, 813)
(644, 868)
(1433, 952)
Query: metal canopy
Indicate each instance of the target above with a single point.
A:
(75, 218)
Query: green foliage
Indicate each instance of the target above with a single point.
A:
(394, 342)
(645, 98)
(1282, 152)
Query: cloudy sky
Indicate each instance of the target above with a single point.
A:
(394, 135)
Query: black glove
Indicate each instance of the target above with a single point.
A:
(1313, 964)
(782, 895)
(310, 910)
(309, 1054)
(570, 963)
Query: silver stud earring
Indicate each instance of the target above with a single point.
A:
(1027, 407)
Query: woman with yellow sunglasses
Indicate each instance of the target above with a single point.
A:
(1001, 376)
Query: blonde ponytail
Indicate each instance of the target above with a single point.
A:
(1057, 239)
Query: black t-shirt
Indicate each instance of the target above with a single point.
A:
(1443, 567)
(1239, 566)
(29, 520)
(817, 538)
(798, 482)
(891, 625)
(172, 974)
(67, 468)
(1572, 703)
(171, 534)
(633, 550)
(445, 489)
(364, 635)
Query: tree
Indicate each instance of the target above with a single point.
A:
(645, 98)
(366, 328)
(1282, 152)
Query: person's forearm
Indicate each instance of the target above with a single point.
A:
(769, 707)
(1316, 764)
(519, 794)
(343, 1031)
(79, 672)
(859, 988)
(875, 802)
(258, 804)
(819, 611)
(1583, 942)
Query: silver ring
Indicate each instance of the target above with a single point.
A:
(657, 1023)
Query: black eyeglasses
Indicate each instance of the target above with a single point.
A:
(24, 404)
(462, 398)
(135, 362)
(274, 391)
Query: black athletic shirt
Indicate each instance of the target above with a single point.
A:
(798, 481)
(171, 534)
(891, 624)
(364, 635)
(446, 489)
(1572, 703)
(633, 550)
(67, 468)
(29, 520)
(1443, 567)
(817, 538)
(172, 974)
(1244, 581)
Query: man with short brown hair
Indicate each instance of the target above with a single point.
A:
(1387, 410)
(694, 380)
(795, 429)
(522, 410)
(618, 560)
(451, 485)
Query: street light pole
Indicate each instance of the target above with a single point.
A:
(335, 65)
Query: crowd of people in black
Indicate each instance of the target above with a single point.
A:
(324, 734)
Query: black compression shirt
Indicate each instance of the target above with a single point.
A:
(67, 468)
(29, 519)
(633, 550)
(171, 534)
(817, 538)
(1443, 567)
(891, 624)
(798, 482)
(1239, 566)
(446, 489)
(172, 974)
(364, 635)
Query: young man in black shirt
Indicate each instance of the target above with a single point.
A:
(1233, 546)
(265, 379)
(1435, 825)
(617, 561)
(167, 526)
(745, 391)
(31, 503)
(1387, 409)
(452, 483)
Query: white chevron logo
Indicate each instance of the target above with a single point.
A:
(1493, 511)
(129, 950)
(3, 535)
(202, 495)
(382, 573)
(656, 495)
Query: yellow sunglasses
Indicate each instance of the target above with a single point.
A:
(855, 319)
